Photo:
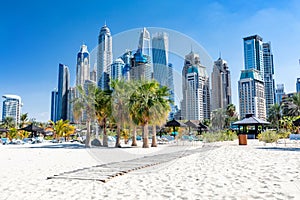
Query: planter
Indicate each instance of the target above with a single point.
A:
(242, 139)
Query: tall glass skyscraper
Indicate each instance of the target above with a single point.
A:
(298, 85)
(144, 43)
(83, 66)
(221, 85)
(54, 95)
(279, 93)
(269, 82)
(251, 84)
(12, 107)
(116, 69)
(104, 57)
(253, 53)
(62, 92)
(160, 47)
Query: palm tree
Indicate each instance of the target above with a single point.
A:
(122, 91)
(294, 108)
(23, 120)
(218, 118)
(8, 123)
(231, 114)
(103, 110)
(160, 111)
(86, 103)
(145, 103)
(60, 127)
(275, 115)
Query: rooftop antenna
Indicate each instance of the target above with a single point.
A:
(191, 47)
(104, 22)
(220, 54)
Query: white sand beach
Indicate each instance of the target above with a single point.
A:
(229, 171)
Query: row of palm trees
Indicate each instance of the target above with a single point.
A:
(282, 116)
(127, 105)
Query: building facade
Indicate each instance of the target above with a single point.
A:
(251, 94)
(220, 85)
(196, 91)
(269, 81)
(253, 54)
(83, 66)
(62, 92)
(12, 105)
(104, 58)
(160, 48)
(251, 85)
(279, 93)
(116, 69)
(53, 115)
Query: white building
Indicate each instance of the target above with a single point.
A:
(104, 57)
(12, 107)
(196, 96)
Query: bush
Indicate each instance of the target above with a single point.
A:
(225, 135)
(268, 136)
(283, 134)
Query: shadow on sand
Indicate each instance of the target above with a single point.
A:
(60, 146)
(280, 148)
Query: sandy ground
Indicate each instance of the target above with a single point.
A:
(255, 171)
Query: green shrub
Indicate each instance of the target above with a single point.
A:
(225, 135)
(268, 136)
(283, 134)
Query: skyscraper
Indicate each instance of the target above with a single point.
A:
(279, 93)
(221, 85)
(144, 43)
(269, 82)
(170, 85)
(12, 107)
(62, 92)
(140, 67)
(251, 84)
(116, 69)
(195, 85)
(83, 66)
(126, 57)
(54, 95)
(71, 97)
(253, 54)
(251, 94)
(160, 46)
(104, 57)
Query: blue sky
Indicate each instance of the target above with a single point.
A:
(37, 35)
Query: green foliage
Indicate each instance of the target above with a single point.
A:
(283, 134)
(12, 133)
(268, 136)
(224, 135)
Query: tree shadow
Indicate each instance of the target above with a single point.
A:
(280, 148)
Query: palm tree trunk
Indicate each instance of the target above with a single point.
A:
(134, 144)
(88, 134)
(154, 142)
(105, 143)
(145, 137)
(118, 145)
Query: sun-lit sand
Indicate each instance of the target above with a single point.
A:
(228, 171)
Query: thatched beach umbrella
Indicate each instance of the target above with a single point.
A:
(174, 123)
(33, 129)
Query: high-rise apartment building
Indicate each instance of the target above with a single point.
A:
(196, 93)
(251, 84)
(104, 57)
(116, 69)
(126, 57)
(269, 82)
(253, 53)
(221, 85)
(251, 94)
(140, 67)
(83, 66)
(71, 98)
(279, 93)
(160, 47)
(62, 92)
(12, 107)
